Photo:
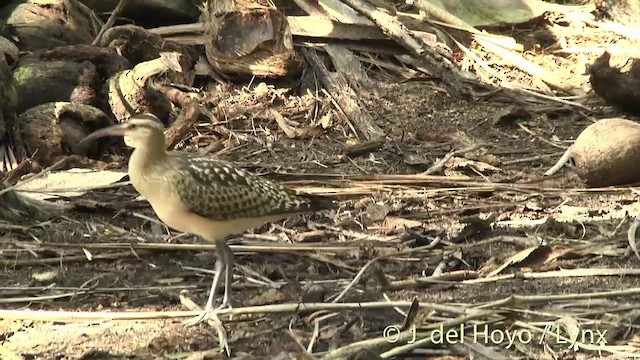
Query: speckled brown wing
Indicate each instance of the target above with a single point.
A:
(218, 190)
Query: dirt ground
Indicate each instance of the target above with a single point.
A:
(480, 227)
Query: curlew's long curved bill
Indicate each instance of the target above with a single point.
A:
(115, 130)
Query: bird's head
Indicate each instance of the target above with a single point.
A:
(140, 130)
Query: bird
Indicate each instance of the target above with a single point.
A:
(204, 196)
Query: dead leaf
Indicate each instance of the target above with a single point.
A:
(598, 250)
(364, 148)
(310, 236)
(510, 115)
(462, 163)
(535, 253)
(416, 159)
(377, 212)
(261, 90)
(271, 296)
(87, 254)
(68, 183)
(326, 121)
(533, 206)
(170, 281)
(309, 132)
(314, 294)
(289, 131)
(558, 253)
(631, 237)
(45, 276)
(393, 224)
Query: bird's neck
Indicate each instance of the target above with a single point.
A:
(150, 154)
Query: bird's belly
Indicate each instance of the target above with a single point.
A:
(172, 211)
(167, 207)
(212, 230)
(168, 217)
(209, 230)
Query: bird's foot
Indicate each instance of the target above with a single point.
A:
(211, 314)
(226, 304)
(204, 315)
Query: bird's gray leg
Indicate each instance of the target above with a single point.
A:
(224, 263)
(225, 252)
(219, 268)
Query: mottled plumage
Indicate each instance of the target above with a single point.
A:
(220, 191)
(204, 196)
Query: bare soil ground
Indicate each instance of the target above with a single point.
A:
(481, 227)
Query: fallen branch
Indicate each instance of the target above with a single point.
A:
(344, 96)
(181, 126)
(301, 26)
(74, 316)
(112, 20)
(440, 164)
